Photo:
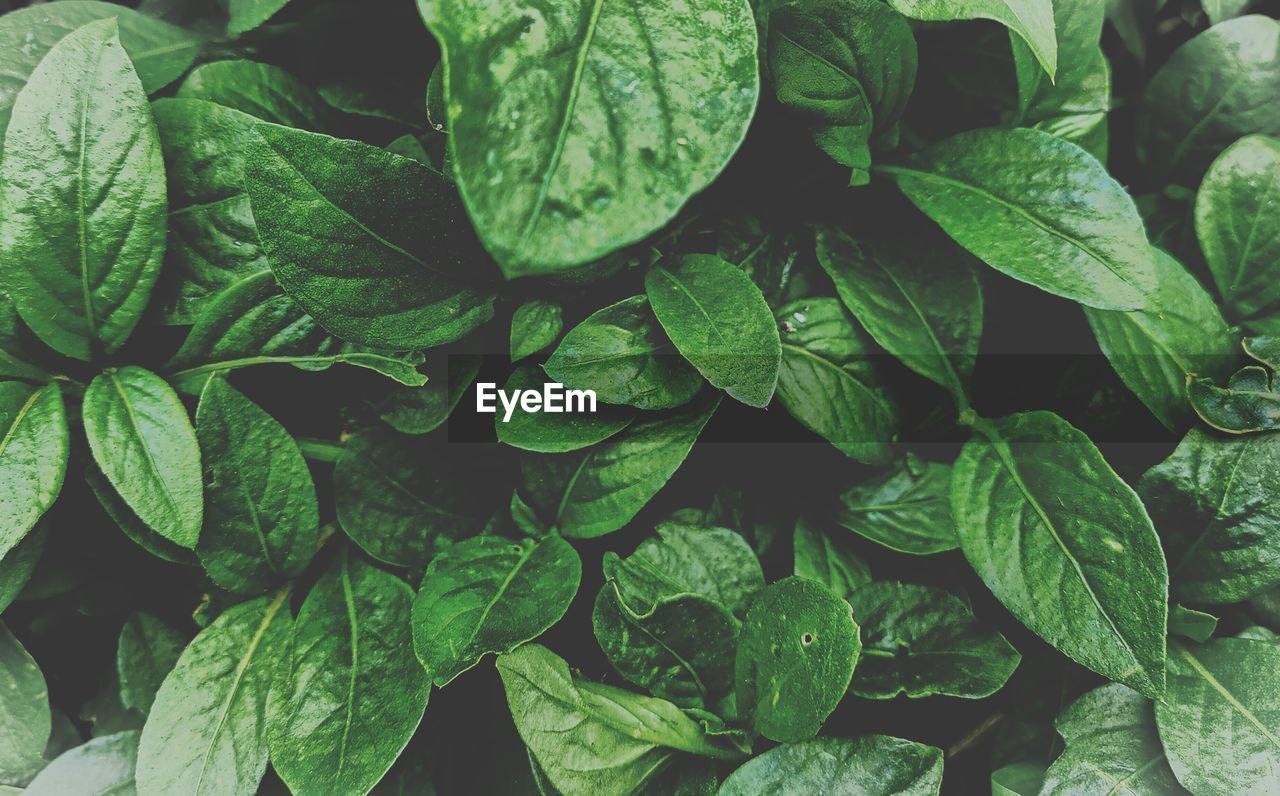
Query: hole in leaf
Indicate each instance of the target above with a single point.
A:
(806, 639)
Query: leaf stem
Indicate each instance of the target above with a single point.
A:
(320, 450)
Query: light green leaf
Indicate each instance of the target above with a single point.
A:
(872, 765)
(1032, 20)
(907, 509)
(103, 766)
(147, 651)
(249, 14)
(548, 432)
(34, 446)
(534, 326)
(829, 559)
(25, 720)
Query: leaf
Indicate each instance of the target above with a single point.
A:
(351, 694)
(1190, 623)
(490, 595)
(796, 654)
(719, 321)
(160, 52)
(103, 766)
(1111, 747)
(548, 432)
(15, 354)
(1265, 349)
(24, 707)
(826, 381)
(535, 325)
(18, 564)
(907, 509)
(147, 651)
(421, 410)
(394, 265)
(622, 354)
(1180, 332)
(1214, 89)
(920, 299)
(34, 447)
(848, 67)
(820, 557)
(249, 14)
(206, 731)
(142, 439)
(592, 738)
(875, 765)
(263, 91)
(1038, 209)
(132, 526)
(594, 130)
(1216, 503)
(1250, 401)
(1219, 716)
(1017, 779)
(923, 641)
(82, 231)
(1031, 20)
(1064, 544)
(1237, 216)
(261, 517)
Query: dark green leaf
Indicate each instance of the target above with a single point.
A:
(100, 767)
(1265, 349)
(130, 524)
(16, 358)
(19, 563)
(873, 765)
(1190, 623)
(147, 651)
(1031, 20)
(34, 446)
(24, 708)
(1250, 401)
(907, 509)
(420, 410)
(829, 559)
(262, 91)
(534, 326)
(245, 15)
(551, 432)
(1017, 779)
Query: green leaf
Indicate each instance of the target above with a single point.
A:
(147, 651)
(1250, 401)
(160, 52)
(421, 410)
(827, 383)
(104, 765)
(719, 321)
(1190, 623)
(1216, 503)
(907, 509)
(249, 14)
(34, 446)
(923, 641)
(598, 491)
(1214, 89)
(1064, 544)
(592, 738)
(82, 192)
(1111, 747)
(848, 67)
(16, 358)
(131, 525)
(19, 563)
(830, 560)
(1180, 332)
(1219, 717)
(394, 265)
(1017, 779)
(142, 439)
(796, 654)
(534, 326)
(263, 91)
(1032, 20)
(548, 432)
(1265, 349)
(25, 720)
(261, 518)
(874, 765)
(1237, 217)
(490, 594)
(206, 732)
(351, 694)
(917, 295)
(593, 130)
(1037, 208)
(622, 354)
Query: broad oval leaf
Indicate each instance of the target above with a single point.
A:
(1250, 402)
(489, 595)
(719, 321)
(872, 765)
(83, 213)
(143, 441)
(1031, 20)
(34, 446)
(593, 130)
(1064, 544)
(830, 560)
(553, 432)
(261, 518)
(350, 693)
(25, 720)
(104, 765)
(907, 509)
(534, 326)
(131, 525)
(1037, 208)
(796, 654)
(147, 651)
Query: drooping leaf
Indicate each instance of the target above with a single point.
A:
(34, 447)
(104, 765)
(1064, 544)
(545, 431)
(907, 509)
(1031, 20)
(490, 595)
(147, 651)
(1250, 402)
(534, 326)
(82, 192)
(827, 558)
(594, 131)
(875, 765)
(25, 720)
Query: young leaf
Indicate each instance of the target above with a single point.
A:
(593, 133)
(820, 557)
(907, 509)
(1219, 717)
(206, 732)
(923, 641)
(1064, 544)
(874, 765)
(25, 720)
(534, 326)
(1037, 208)
(350, 693)
(1250, 401)
(104, 765)
(547, 432)
(147, 651)
(393, 266)
(261, 519)
(34, 446)
(796, 654)
(82, 230)
(1032, 20)
(142, 439)
(249, 14)
(490, 594)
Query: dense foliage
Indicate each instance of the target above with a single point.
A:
(936, 343)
